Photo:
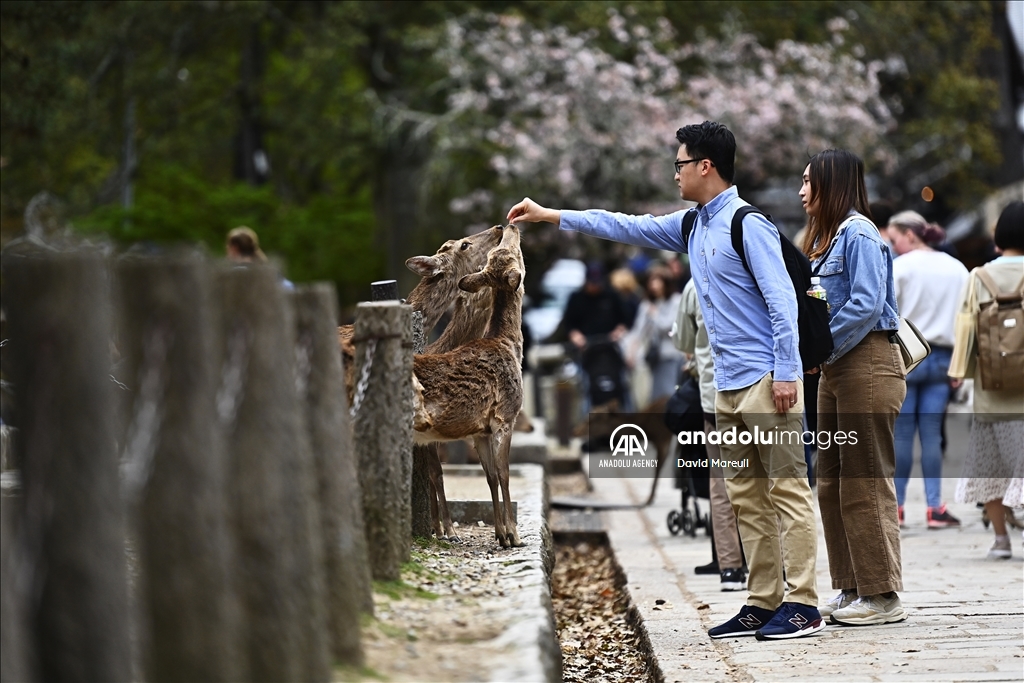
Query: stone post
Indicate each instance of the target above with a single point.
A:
(272, 483)
(321, 386)
(174, 462)
(383, 431)
(59, 324)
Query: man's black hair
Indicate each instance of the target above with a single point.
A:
(713, 141)
(1009, 232)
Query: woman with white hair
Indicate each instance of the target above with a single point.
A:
(928, 284)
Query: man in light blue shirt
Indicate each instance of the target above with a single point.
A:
(751, 319)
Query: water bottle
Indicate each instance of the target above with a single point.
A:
(816, 290)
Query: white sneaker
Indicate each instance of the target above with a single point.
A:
(1001, 549)
(869, 610)
(840, 601)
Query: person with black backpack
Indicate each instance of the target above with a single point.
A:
(860, 393)
(750, 308)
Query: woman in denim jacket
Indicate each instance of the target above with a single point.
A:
(861, 389)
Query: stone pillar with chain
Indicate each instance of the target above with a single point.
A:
(173, 464)
(69, 549)
(321, 388)
(271, 480)
(383, 407)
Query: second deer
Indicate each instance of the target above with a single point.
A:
(476, 390)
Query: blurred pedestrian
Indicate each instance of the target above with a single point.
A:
(692, 337)
(624, 283)
(649, 337)
(860, 391)
(596, 317)
(993, 472)
(928, 283)
(243, 246)
(751, 318)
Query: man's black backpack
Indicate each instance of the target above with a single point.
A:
(812, 314)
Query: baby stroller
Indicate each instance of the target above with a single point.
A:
(603, 362)
(692, 483)
(684, 413)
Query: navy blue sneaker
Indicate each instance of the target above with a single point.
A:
(792, 620)
(745, 623)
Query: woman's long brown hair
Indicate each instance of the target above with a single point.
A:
(837, 185)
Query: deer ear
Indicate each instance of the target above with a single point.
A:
(424, 266)
(514, 278)
(473, 282)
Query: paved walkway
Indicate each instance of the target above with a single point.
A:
(966, 612)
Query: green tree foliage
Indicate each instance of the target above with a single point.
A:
(142, 116)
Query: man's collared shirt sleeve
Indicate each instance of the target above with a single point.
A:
(654, 232)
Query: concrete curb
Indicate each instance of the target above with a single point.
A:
(529, 641)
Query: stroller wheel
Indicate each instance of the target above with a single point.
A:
(689, 525)
(674, 522)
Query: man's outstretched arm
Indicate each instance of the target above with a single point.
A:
(656, 232)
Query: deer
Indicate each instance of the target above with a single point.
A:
(438, 286)
(476, 389)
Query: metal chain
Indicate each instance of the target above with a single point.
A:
(148, 414)
(229, 395)
(303, 364)
(364, 377)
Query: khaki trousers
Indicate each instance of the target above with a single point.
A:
(723, 519)
(767, 489)
(861, 394)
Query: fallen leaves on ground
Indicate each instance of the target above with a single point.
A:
(598, 642)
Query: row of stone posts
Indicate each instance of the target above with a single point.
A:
(196, 501)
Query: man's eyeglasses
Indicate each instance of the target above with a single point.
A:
(679, 164)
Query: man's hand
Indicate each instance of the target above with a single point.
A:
(784, 395)
(577, 338)
(955, 382)
(530, 211)
(618, 333)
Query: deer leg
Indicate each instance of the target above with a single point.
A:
(438, 500)
(662, 454)
(502, 446)
(483, 448)
(435, 522)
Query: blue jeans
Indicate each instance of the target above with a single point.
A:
(923, 411)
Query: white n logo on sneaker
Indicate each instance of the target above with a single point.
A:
(798, 620)
(749, 622)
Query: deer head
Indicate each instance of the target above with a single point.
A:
(440, 273)
(504, 269)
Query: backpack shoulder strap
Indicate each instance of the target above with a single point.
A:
(987, 280)
(689, 218)
(998, 295)
(737, 230)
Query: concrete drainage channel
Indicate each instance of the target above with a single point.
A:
(601, 633)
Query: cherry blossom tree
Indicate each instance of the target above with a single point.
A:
(551, 113)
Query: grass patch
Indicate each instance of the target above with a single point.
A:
(432, 542)
(396, 590)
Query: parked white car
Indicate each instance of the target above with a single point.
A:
(563, 278)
